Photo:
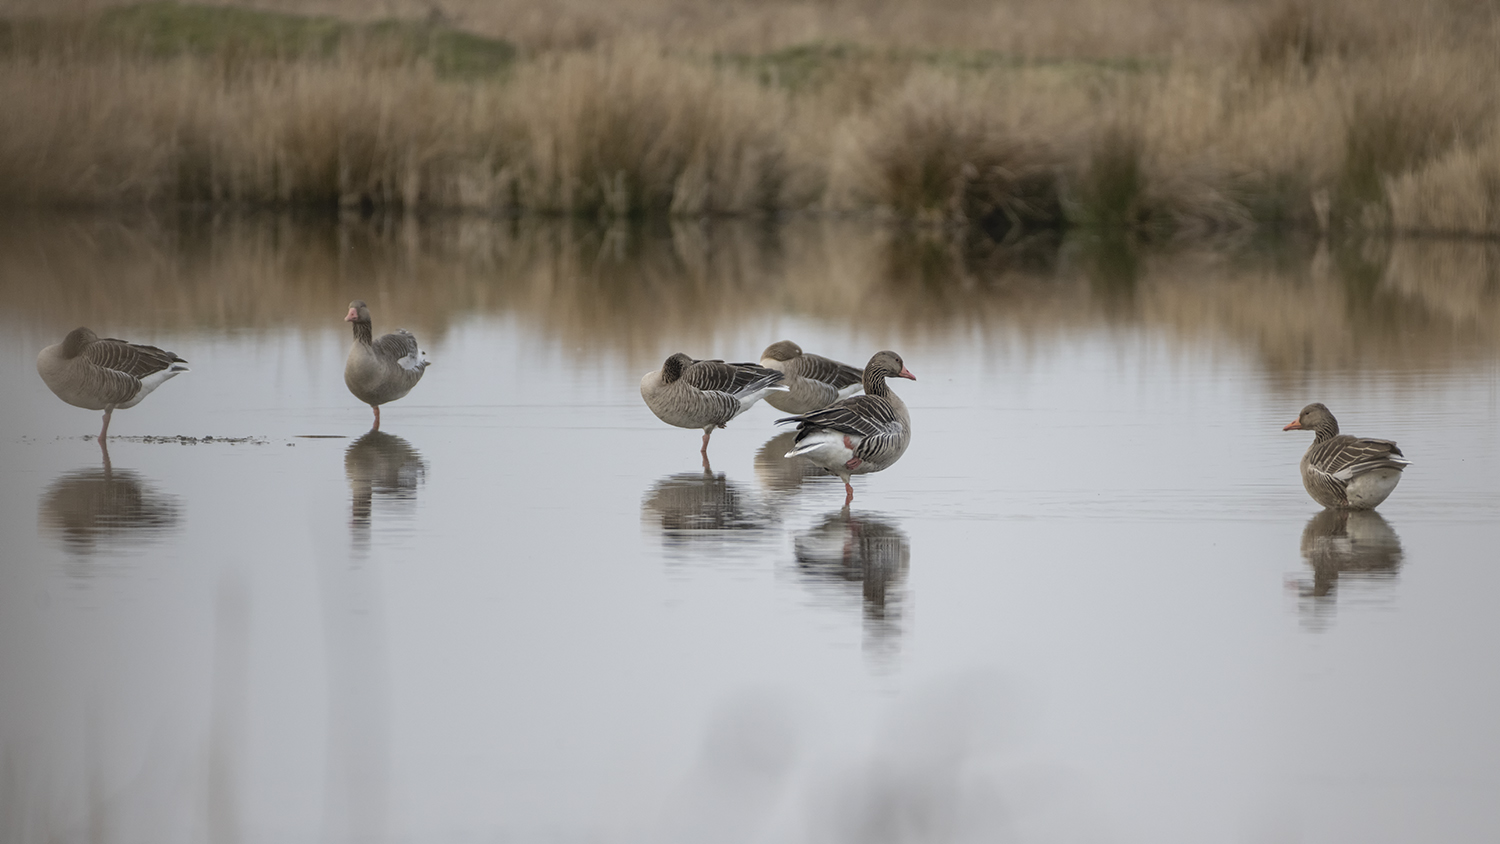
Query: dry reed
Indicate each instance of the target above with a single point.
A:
(626, 130)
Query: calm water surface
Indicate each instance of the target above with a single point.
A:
(1091, 603)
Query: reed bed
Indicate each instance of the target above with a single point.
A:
(1164, 119)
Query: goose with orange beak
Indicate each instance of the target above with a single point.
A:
(860, 434)
(1344, 472)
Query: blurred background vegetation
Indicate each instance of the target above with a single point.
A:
(1162, 119)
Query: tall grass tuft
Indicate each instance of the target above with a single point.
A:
(117, 131)
(941, 152)
(627, 131)
(1300, 35)
(1456, 193)
(1395, 126)
(1110, 191)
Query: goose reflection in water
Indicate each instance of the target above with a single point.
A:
(864, 553)
(99, 509)
(385, 465)
(780, 473)
(704, 512)
(1357, 545)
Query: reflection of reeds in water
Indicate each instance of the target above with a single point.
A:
(1401, 307)
(703, 512)
(385, 465)
(867, 554)
(94, 510)
(1346, 545)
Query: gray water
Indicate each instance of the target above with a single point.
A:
(1091, 603)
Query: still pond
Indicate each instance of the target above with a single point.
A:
(1092, 602)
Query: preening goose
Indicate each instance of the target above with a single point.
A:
(1344, 472)
(860, 434)
(106, 374)
(705, 393)
(380, 370)
(812, 381)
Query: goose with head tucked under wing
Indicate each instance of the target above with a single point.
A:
(860, 434)
(380, 370)
(705, 394)
(812, 381)
(105, 374)
(1344, 472)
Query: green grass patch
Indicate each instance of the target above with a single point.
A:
(980, 61)
(802, 67)
(167, 30)
(799, 67)
(453, 52)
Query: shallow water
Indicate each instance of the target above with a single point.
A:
(1091, 603)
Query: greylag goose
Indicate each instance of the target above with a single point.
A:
(106, 374)
(705, 393)
(812, 381)
(1344, 472)
(380, 370)
(860, 434)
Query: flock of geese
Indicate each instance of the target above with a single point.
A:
(841, 432)
(837, 431)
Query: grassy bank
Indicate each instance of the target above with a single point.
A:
(1161, 118)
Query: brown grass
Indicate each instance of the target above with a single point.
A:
(1165, 118)
(1455, 193)
(117, 131)
(624, 130)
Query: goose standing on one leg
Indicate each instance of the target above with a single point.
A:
(860, 434)
(106, 374)
(380, 370)
(1344, 472)
(812, 381)
(705, 393)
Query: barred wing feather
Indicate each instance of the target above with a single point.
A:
(865, 416)
(1343, 457)
(733, 378)
(396, 345)
(131, 359)
(819, 368)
